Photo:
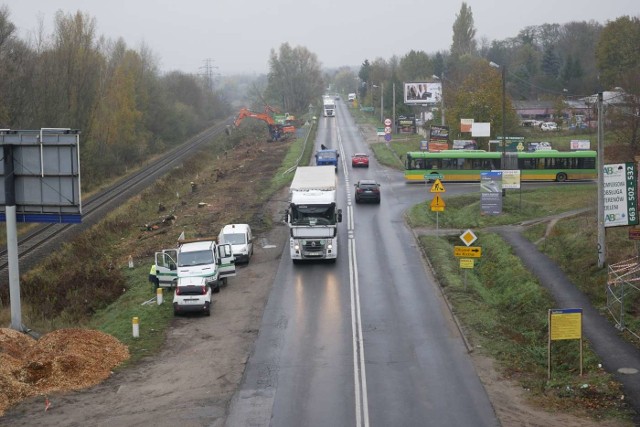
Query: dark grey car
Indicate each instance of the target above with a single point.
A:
(367, 190)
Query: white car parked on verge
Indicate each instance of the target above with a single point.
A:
(192, 295)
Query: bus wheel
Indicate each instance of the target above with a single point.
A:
(561, 177)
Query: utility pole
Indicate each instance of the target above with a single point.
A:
(382, 102)
(600, 165)
(393, 125)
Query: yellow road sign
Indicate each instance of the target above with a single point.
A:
(467, 251)
(466, 262)
(437, 187)
(437, 204)
(468, 237)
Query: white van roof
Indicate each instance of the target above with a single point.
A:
(235, 228)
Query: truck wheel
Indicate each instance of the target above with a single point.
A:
(216, 288)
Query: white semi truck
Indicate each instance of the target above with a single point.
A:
(313, 215)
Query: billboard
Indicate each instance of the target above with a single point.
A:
(422, 93)
(41, 168)
(620, 195)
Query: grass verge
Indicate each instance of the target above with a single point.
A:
(504, 309)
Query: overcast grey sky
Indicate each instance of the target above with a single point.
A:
(238, 35)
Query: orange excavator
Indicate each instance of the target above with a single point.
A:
(277, 131)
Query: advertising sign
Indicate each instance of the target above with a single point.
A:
(422, 93)
(406, 124)
(465, 125)
(620, 195)
(465, 144)
(491, 193)
(439, 133)
(538, 146)
(510, 179)
(480, 129)
(580, 144)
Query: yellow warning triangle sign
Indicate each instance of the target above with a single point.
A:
(437, 187)
(437, 202)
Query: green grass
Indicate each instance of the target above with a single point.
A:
(503, 310)
(518, 206)
(502, 306)
(117, 318)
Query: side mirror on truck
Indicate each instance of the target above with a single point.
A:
(339, 215)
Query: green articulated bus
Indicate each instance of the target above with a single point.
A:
(467, 165)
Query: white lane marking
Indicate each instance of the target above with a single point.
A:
(358, 340)
(359, 371)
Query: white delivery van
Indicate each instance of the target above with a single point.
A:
(241, 240)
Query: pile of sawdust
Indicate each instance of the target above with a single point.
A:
(63, 360)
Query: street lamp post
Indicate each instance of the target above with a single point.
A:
(381, 87)
(503, 70)
(382, 102)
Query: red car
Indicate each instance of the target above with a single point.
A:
(360, 160)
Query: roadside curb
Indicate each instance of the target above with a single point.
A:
(431, 272)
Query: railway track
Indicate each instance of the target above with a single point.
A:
(98, 205)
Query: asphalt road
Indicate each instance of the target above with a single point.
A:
(367, 341)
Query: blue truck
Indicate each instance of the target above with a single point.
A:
(327, 157)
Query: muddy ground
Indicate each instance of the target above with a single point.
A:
(192, 380)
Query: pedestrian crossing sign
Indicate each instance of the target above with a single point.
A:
(437, 187)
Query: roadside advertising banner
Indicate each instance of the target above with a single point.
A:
(491, 193)
(422, 93)
(620, 194)
(580, 144)
(465, 144)
(465, 125)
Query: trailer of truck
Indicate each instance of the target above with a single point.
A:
(313, 215)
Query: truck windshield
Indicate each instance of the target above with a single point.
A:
(235, 238)
(313, 215)
(186, 259)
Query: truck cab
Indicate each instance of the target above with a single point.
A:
(199, 258)
(327, 157)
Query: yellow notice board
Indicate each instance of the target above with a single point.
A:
(466, 262)
(565, 324)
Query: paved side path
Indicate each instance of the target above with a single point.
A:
(618, 356)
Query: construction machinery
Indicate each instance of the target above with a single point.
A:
(277, 130)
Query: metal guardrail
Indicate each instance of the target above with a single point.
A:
(304, 148)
